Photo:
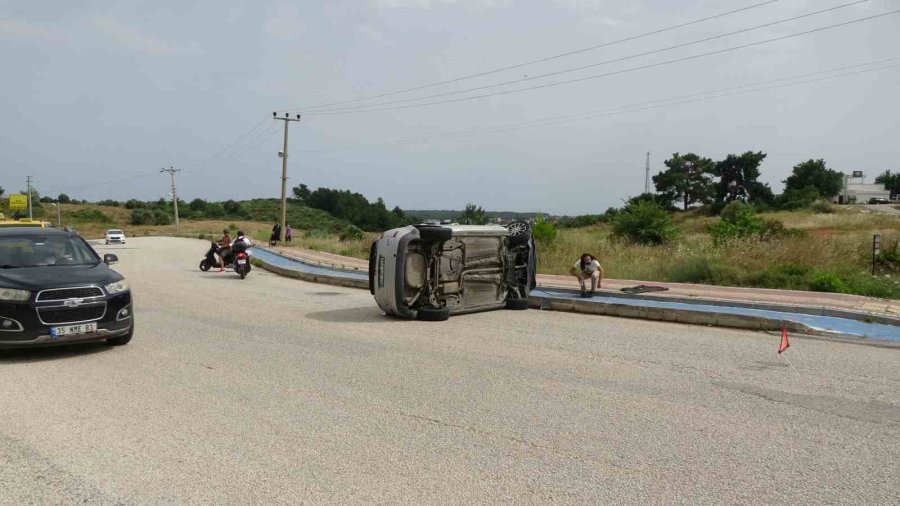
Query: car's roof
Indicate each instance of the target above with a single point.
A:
(32, 231)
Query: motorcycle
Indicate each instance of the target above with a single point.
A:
(241, 259)
(210, 260)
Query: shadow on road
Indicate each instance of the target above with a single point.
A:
(24, 355)
(366, 314)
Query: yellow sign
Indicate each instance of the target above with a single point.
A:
(18, 202)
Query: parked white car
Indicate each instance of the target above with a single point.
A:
(429, 272)
(114, 235)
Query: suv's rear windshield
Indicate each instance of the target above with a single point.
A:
(36, 251)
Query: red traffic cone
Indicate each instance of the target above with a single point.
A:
(784, 340)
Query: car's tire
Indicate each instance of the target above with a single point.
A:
(204, 265)
(122, 340)
(431, 233)
(517, 304)
(519, 233)
(433, 314)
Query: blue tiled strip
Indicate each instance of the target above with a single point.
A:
(875, 331)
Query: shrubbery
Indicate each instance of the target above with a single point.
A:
(544, 232)
(644, 222)
(739, 220)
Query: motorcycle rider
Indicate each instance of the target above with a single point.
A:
(224, 248)
(243, 239)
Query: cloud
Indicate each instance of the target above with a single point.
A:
(608, 21)
(19, 29)
(133, 38)
(428, 4)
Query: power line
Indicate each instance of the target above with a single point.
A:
(362, 108)
(541, 60)
(624, 71)
(232, 143)
(649, 105)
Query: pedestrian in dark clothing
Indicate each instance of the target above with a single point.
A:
(288, 233)
(276, 235)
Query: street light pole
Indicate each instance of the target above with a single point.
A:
(172, 172)
(58, 214)
(284, 156)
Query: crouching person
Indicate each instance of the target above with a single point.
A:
(588, 268)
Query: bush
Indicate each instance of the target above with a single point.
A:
(544, 231)
(109, 203)
(89, 216)
(134, 204)
(822, 207)
(351, 233)
(740, 220)
(161, 217)
(828, 282)
(141, 217)
(644, 222)
(889, 259)
(694, 270)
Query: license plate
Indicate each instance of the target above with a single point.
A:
(242, 262)
(71, 330)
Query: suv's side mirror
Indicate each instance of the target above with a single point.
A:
(110, 259)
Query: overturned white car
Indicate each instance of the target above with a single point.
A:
(429, 272)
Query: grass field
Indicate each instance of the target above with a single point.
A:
(834, 254)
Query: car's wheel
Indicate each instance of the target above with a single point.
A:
(517, 304)
(433, 314)
(204, 265)
(519, 233)
(122, 340)
(431, 233)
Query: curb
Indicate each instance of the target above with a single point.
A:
(313, 278)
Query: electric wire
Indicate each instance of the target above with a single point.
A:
(543, 59)
(844, 71)
(592, 65)
(624, 71)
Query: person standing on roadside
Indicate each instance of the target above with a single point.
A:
(276, 235)
(288, 233)
(588, 268)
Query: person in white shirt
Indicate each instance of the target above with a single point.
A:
(588, 268)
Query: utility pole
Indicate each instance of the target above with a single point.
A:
(172, 172)
(647, 175)
(284, 156)
(28, 184)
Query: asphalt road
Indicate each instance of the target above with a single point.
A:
(272, 390)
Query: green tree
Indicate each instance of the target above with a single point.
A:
(197, 205)
(687, 179)
(796, 199)
(301, 192)
(738, 179)
(473, 215)
(544, 231)
(644, 222)
(889, 180)
(63, 198)
(2, 191)
(814, 173)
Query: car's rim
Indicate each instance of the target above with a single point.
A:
(517, 228)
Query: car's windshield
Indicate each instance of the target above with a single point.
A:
(113, 231)
(36, 251)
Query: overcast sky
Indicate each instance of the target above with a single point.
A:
(98, 96)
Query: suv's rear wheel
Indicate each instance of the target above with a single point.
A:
(433, 314)
(431, 233)
(517, 304)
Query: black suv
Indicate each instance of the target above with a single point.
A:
(55, 289)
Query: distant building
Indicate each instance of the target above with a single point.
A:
(859, 192)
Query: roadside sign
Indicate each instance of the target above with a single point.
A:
(18, 202)
(876, 249)
(857, 173)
